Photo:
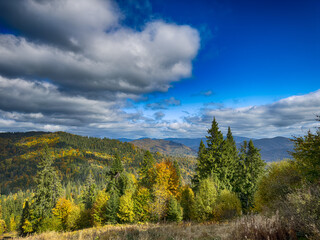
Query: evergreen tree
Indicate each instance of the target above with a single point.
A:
(209, 159)
(200, 165)
(229, 161)
(250, 168)
(48, 188)
(112, 207)
(89, 191)
(174, 213)
(147, 166)
(23, 227)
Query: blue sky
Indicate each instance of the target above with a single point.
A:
(160, 68)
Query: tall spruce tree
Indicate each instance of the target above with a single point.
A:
(250, 168)
(200, 164)
(146, 166)
(48, 188)
(229, 161)
(209, 159)
(90, 191)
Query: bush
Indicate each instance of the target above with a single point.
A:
(227, 206)
(205, 199)
(303, 209)
(2, 226)
(281, 179)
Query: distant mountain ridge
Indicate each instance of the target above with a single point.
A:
(164, 147)
(271, 149)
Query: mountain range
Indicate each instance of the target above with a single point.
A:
(271, 149)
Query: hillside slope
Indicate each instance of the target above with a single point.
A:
(74, 157)
(164, 147)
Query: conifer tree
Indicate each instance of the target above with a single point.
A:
(146, 166)
(174, 213)
(229, 161)
(250, 168)
(200, 165)
(141, 202)
(25, 218)
(48, 188)
(89, 191)
(209, 159)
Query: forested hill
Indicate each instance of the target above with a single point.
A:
(165, 147)
(74, 157)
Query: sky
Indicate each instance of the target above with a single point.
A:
(160, 69)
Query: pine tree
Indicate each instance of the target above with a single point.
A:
(89, 191)
(48, 188)
(25, 226)
(112, 207)
(174, 213)
(142, 201)
(147, 166)
(229, 161)
(209, 159)
(200, 164)
(250, 168)
(215, 138)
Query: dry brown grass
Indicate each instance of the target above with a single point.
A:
(258, 227)
(183, 231)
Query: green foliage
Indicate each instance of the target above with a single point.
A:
(89, 192)
(3, 226)
(250, 169)
(126, 208)
(141, 204)
(112, 207)
(175, 212)
(229, 161)
(48, 188)
(187, 203)
(205, 200)
(67, 213)
(307, 155)
(147, 166)
(25, 226)
(227, 206)
(99, 210)
(280, 179)
(302, 210)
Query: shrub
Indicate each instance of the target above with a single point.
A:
(281, 179)
(2, 226)
(227, 206)
(303, 209)
(205, 199)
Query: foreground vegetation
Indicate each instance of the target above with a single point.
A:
(278, 201)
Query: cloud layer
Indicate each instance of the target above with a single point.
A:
(74, 65)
